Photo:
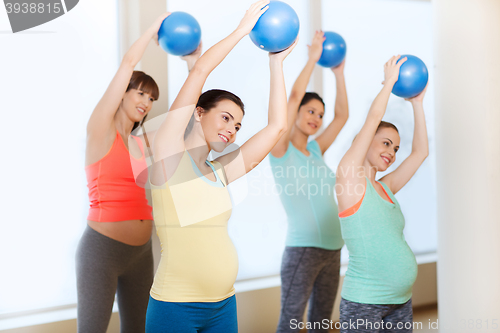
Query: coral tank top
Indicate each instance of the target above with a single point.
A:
(113, 191)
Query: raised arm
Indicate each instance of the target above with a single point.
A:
(298, 92)
(102, 117)
(419, 151)
(255, 149)
(348, 172)
(148, 138)
(341, 114)
(169, 139)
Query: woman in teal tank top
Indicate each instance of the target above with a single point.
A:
(311, 260)
(376, 293)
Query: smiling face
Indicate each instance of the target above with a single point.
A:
(136, 104)
(220, 124)
(310, 117)
(382, 151)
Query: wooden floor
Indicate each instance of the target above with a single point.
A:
(423, 317)
(428, 316)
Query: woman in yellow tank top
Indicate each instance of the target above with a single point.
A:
(193, 286)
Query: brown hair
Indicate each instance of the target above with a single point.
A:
(144, 82)
(210, 98)
(385, 124)
(308, 96)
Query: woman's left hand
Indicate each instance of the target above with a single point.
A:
(192, 57)
(339, 69)
(156, 26)
(283, 54)
(420, 97)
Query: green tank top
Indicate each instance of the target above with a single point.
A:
(382, 268)
(306, 186)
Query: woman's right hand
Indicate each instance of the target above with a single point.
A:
(316, 47)
(391, 69)
(252, 15)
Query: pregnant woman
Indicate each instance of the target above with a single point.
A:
(377, 289)
(193, 287)
(114, 254)
(310, 266)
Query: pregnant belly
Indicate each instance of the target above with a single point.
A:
(391, 270)
(394, 267)
(398, 268)
(200, 267)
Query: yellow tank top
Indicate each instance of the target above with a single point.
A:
(198, 261)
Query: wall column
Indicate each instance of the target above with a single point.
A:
(467, 53)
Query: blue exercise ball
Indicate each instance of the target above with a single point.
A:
(413, 77)
(333, 50)
(179, 34)
(277, 28)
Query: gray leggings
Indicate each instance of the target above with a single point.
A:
(104, 267)
(375, 318)
(308, 273)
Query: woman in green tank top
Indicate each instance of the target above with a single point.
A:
(310, 267)
(376, 294)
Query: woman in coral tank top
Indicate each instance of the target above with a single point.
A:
(114, 254)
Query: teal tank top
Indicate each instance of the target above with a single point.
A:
(306, 187)
(382, 268)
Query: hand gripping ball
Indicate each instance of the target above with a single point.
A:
(277, 28)
(179, 34)
(333, 50)
(413, 77)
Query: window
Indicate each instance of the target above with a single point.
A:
(374, 31)
(52, 77)
(258, 224)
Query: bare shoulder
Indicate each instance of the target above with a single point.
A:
(350, 186)
(98, 145)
